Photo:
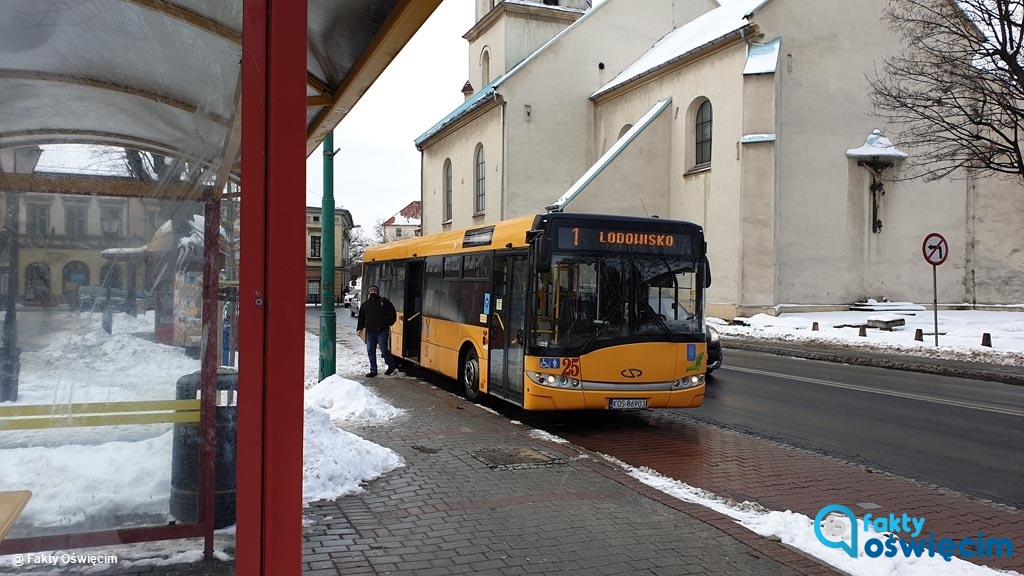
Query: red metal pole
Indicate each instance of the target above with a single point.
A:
(286, 289)
(208, 375)
(272, 288)
(251, 291)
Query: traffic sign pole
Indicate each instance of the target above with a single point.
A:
(935, 250)
(935, 301)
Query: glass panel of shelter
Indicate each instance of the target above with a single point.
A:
(113, 303)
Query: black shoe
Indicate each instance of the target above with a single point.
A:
(371, 374)
(391, 370)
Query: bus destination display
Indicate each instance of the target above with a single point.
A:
(604, 240)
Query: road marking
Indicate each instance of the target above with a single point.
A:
(906, 395)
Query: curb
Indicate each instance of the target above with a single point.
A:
(975, 371)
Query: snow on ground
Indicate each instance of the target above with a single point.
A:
(797, 531)
(78, 475)
(960, 332)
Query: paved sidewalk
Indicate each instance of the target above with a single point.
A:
(738, 466)
(480, 495)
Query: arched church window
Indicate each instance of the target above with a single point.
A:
(447, 190)
(480, 187)
(702, 132)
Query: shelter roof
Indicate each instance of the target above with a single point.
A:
(164, 75)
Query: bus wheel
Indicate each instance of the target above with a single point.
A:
(471, 376)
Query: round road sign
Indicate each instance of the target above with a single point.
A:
(935, 249)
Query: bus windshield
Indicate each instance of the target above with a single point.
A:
(590, 301)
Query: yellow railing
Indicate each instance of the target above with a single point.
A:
(37, 416)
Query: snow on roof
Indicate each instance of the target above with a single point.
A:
(408, 216)
(700, 32)
(755, 138)
(543, 5)
(762, 58)
(481, 97)
(876, 145)
(402, 221)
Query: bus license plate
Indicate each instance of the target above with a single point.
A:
(626, 403)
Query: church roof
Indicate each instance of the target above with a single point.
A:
(701, 32)
(487, 92)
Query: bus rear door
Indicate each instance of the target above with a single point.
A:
(412, 310)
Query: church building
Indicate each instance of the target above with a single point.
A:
(748, 117)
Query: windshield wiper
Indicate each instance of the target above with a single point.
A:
(657, 317)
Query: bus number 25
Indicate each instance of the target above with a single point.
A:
(571, 367)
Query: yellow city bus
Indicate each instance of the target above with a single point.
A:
(557, 311)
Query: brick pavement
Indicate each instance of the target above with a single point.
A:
(739, 466)
(548, 509)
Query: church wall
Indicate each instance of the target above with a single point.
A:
(995, 222)
(460, 146)
(757, 197)
(550, 148)
(526, 34)
(494, 40)
(826, 251)
(636, 182)
(708, 197)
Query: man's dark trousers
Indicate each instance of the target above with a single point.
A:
(384, 339)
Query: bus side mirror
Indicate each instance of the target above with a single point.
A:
(543, 255)
(707, 273)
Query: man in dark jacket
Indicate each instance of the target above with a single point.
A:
(376, 316)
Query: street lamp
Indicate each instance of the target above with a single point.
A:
(110, 222)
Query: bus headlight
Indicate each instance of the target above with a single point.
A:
(554, 380)
(689, 382)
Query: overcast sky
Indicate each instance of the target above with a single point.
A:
(377, 168)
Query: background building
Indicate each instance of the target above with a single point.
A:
(405, 224)
(737, 116)
(314, 250)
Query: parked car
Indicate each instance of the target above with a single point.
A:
(352, 301)
(351, 297)
(714, 350)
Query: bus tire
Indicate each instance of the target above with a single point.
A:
(471, 375)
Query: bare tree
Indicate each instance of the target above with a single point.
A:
(357, 243)
(955, 97)
(378, 232)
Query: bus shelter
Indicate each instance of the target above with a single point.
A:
(188, 123)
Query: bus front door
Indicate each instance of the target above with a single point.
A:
(412, 308)
(507, 327)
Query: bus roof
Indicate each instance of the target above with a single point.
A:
(500, 235)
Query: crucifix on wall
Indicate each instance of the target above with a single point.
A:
(878, 154)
